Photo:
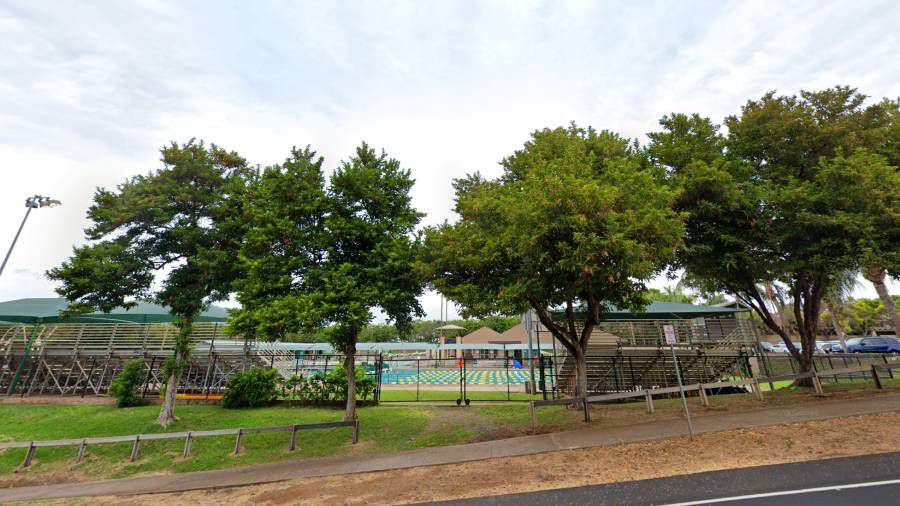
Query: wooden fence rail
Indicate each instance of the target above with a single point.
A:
(753, 384)
(137, 439)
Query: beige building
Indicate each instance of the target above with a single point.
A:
(486, 335)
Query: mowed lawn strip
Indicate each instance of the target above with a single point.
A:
(409, 395)
(384, 428)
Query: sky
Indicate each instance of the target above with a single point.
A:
(89, 91)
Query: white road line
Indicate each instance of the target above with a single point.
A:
(787, 492)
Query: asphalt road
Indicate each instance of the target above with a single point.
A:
(870, 479)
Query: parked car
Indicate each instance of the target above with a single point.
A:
(782, 348)
(827, 346)
(835, 347)
(873, 345)
(766, 347)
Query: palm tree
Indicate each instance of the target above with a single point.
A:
(876, 276)
(838, 292)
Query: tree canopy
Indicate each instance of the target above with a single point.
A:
(326, 255)
(577, 221)
(170, 236)
(800, 189)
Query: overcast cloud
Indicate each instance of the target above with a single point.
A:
(89, 91)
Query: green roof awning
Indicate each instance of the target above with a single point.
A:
(659, 310)
(46, 310)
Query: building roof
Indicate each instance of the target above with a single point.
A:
(46, 310)
(660, 310)
(516, 333)
(481, 335)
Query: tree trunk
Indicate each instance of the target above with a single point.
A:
(182, 352)
(876, 275)
(780, 314)
(804, 364)
(167, 413)
(580, 372)
(350, 367)
(836, 323)
(568, 337)
(807, 330)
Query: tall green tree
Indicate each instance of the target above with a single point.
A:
(836, 296)
(876, 274)
(327, 256)
(801, 189)
(577, 222)
(170, 236)
(675, 293)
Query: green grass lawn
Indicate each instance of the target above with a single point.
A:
(392, 395)
(384, 428)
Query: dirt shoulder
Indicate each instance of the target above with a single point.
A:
(797, 442)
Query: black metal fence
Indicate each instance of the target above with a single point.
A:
(463, 379)
(775, 364)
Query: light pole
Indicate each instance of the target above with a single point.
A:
(34, 202)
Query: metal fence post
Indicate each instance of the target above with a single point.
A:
(649, 398)
(356, 431)
(188, 443)
(587, 409)
(82, 448)
(29, 455)
(817, 385)
(533, 417)
(135, 448)
(506, 366)
(875, 377)
(704, 400)
(293, 444)
(237, 443)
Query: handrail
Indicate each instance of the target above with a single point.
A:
(188, 436)
(753, 383)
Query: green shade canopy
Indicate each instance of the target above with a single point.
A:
(659, 310)
(46, 310)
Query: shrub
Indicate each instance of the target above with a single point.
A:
(124, 388)
(252, 388)
(331, 386)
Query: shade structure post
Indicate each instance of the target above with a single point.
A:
(25, 355)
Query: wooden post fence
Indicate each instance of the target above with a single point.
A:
(137, 439)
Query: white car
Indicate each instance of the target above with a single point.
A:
(782, 348)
